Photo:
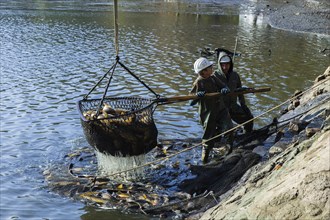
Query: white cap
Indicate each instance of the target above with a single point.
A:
(201, 63)
(225, 59)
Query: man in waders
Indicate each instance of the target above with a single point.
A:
(240, 113)
(214, 115)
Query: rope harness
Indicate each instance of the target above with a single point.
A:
(226, 132)
(121, 126)
(142, 111)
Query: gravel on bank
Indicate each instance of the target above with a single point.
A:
(312, 16)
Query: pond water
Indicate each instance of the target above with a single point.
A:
(53, 52)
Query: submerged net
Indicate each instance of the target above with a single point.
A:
(122, 126)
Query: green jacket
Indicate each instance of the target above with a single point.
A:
(212, 110)
(232, 80)
(207, 104)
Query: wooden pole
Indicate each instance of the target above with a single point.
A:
(174, 99)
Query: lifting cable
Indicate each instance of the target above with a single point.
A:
(201, 143)
(115, 11)
(112, 69)
(210, 193)
(226, 132)
(194, 146)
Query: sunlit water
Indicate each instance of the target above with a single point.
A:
(52, 56)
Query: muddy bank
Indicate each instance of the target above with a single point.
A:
(279, 172)
(311, 16)
(159, 193)
(294, 182)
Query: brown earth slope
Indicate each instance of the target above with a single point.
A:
(294, 184)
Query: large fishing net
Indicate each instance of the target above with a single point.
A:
(123, 127)
(119, 126)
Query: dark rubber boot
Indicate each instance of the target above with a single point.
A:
(205, 155)
(248, 127)
(229, 149)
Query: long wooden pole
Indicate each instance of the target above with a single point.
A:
(174, 99)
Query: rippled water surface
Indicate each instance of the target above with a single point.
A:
(53, 53)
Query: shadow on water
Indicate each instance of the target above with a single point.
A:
(53, 52)
(149, 187)
(94, 213)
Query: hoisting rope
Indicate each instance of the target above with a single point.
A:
(93, 178)
(201, 143)
(270, 110)
(105, 91)
(115, 12)
(137, 78)
(112, 69)
(206, 194)
(90, 91)
(226, 132)
(210, 193)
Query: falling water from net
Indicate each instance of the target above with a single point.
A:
(108, 165)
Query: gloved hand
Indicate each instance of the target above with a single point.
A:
(225, 91)
(200, 93)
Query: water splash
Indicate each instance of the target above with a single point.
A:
(109, 165)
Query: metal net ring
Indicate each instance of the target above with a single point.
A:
(125, 128)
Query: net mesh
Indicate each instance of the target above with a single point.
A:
(123, 126)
